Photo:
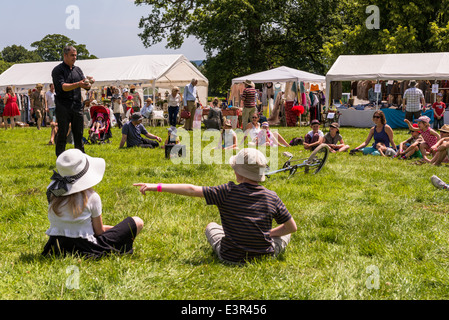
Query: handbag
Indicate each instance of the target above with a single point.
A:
(185, 114)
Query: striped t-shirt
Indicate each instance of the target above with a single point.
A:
(247, 212)
(249, 97)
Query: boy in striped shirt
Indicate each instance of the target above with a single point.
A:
(246, 209)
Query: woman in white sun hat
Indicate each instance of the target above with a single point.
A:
(75, 211)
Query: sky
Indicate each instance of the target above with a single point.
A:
(108, 28)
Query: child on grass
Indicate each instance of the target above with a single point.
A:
(246, 209)
(315, 137)
(410, 147)
(75, 211)
(385, 151)
(441, 148)
(430, 136)
(333, 137)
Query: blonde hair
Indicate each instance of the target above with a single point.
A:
(76, 203)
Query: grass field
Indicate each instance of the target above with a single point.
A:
(361, 219)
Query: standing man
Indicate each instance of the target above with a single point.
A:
(68, 80)
(50, 103)
(190, 96)
(38, 105)
(249, 102)
(413, 98)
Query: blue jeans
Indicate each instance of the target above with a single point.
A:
(173, 115)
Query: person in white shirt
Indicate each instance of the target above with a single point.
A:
(174, 101)
(75, 211)
(50, 103)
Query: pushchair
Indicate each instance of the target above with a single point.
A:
(102, 135)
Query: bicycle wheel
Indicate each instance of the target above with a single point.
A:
(318, 158)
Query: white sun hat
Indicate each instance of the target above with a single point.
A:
(76, 172)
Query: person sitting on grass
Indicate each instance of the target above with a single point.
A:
(385, 151)
(410, 147)
(228, 137)
(430, 136)
(247, 210)
(315, 137)
(381, 132)
(441, 148)
(131, 134)
(269, 138)
(333, 138)
(75, 211)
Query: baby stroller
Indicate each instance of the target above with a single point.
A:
(104, 134)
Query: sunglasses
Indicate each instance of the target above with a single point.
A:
(376, 117)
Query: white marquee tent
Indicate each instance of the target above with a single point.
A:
(281, 74)
(157, 71)
(403, 66)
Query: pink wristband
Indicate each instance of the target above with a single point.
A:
(159, 187)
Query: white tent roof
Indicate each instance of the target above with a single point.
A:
(403, 66)
(281, 74)
(165, 70)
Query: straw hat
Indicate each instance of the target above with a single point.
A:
(249, 83)
(445, 128)
(249, 163)
(227, 123)
(76, 172)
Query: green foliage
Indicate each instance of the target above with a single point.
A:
(19, 54)
(51, 47)
(246, 36)
(359, 211)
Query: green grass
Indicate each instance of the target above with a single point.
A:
(359, 211)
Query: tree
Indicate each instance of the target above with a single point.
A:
(19, 54)
(242, 36)
(51, 47)
(405, 27)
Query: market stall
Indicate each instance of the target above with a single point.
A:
(283, 87)
(387, 75)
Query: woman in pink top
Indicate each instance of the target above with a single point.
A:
(11, 108)
(429, 136)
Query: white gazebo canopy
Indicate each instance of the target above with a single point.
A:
(162, 71)
(402, 66)
(281, 74)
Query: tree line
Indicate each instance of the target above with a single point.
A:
(246, 36)
(49, 48)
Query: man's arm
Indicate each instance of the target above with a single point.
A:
(76, 85)
(122, 142)
(152, 136)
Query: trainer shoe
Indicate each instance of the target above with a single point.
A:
(438, 183)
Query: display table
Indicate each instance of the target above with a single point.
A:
(364, 118)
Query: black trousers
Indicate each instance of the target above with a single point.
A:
(66, 117)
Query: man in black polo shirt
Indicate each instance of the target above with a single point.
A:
(68, 80)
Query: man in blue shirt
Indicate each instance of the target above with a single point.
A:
(132, 131)
(190, 96)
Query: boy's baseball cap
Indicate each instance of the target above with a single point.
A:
(315, 121)
(249, 163)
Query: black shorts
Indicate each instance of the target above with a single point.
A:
(118, 239)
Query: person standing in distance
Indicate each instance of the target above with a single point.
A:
(68, 80)
(190, 96)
